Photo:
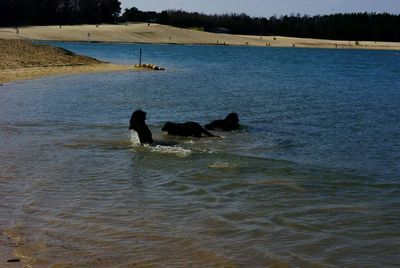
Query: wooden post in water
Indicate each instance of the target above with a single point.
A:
(140, 57)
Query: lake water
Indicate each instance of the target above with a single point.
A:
(312, 179)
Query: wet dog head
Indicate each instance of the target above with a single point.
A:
(232, 117)
(167, 127)
(138, 117)
(231, 122)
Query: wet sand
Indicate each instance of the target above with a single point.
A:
(7, 256)
(163, 34)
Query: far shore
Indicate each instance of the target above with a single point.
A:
(153, 33)
(21, 60)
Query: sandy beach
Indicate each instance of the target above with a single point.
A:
(21, 60)
(8, 246)
(156, 33)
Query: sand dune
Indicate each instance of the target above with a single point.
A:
(156, 33)
(20, 60)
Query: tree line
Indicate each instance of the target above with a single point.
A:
(352, 26)
(53, 12)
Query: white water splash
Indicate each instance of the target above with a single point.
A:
(135, 138)
(222, 165)
(179, 151)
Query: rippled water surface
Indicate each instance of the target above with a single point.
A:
(312, 179)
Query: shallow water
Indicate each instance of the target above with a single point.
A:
(312, 179)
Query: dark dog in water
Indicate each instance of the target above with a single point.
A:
(231, 122)
(138, 124)
(188, 129)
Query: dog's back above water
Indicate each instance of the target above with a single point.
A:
(188, 129)
(230, 123)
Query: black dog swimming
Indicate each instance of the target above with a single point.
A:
(231, 122)
(188, 129)
(138, 124)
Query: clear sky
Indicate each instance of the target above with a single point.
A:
(267, 8)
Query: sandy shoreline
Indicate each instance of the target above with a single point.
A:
(163, 34)
(21, 60)
(12, 75)
(7, 250)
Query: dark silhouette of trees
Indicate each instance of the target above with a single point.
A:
(134, 14)
(46, 12)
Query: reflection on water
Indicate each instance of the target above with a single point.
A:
(310, 180)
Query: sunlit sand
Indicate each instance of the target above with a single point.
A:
(156, 33)
(21, 60)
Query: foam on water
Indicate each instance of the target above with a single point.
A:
(179, 151)
(222, 165)
(134, 138)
